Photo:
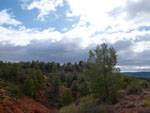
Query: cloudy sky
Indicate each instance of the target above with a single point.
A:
(65, 30)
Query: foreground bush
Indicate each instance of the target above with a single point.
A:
(86, 105)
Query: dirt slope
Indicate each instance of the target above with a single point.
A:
(133, 104)
(23, 105)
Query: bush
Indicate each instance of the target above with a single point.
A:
(16, 92)
(146, 102)
(134, 88)
(144, 84)
(69, 109)
(2, 85)
(86, 105)
(113, 98)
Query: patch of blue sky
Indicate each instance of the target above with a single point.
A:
(144, 28)
(27, 18)
(56, 19)
(59, 20)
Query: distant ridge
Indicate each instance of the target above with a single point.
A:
(137, 74)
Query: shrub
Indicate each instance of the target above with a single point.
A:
(3, 85)
(113, 98)
(86, 105)
(134, 88)
(146, 102)
(16, 92)
(144, 84)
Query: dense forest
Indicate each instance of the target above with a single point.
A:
(82, 87)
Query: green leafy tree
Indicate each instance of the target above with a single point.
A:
(84, 89)
(67, 98)
(62, 77)
(69, 80)
(39, 78)
(75, 88)
(29, 87)
(102, 71)
(54, 93)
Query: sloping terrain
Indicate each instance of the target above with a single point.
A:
(22, 105)
(139, 103)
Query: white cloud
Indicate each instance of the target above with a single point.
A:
(141, 46)
(94, 11)
(24, 36)
(6, 18)
(134, 68)
(45, 7)
(118, 15)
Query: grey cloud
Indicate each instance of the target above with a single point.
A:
(64, 51)
(127, 56)
(133, 9)
(44, 51)
(146, 37)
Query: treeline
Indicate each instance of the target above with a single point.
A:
(30, 78)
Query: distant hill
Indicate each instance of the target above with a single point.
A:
(138, 74)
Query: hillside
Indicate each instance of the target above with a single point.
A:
(138, 74)
(22, 105)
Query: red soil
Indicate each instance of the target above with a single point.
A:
(23, 105)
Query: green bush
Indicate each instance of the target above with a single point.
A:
(113, 98)
(16, 92)
(144, 84)
(3, 85)
(134, 88)
(86, 105)
(146, 102)
(69, 109)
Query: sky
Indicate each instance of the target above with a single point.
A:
(65, 30)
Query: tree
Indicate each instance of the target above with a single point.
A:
(102, 70)
(67, 98)
(69, 80)
(29, 87)
(75, 88)
(62, 77)
(39, 78)
(55, 87)
(84, 89)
